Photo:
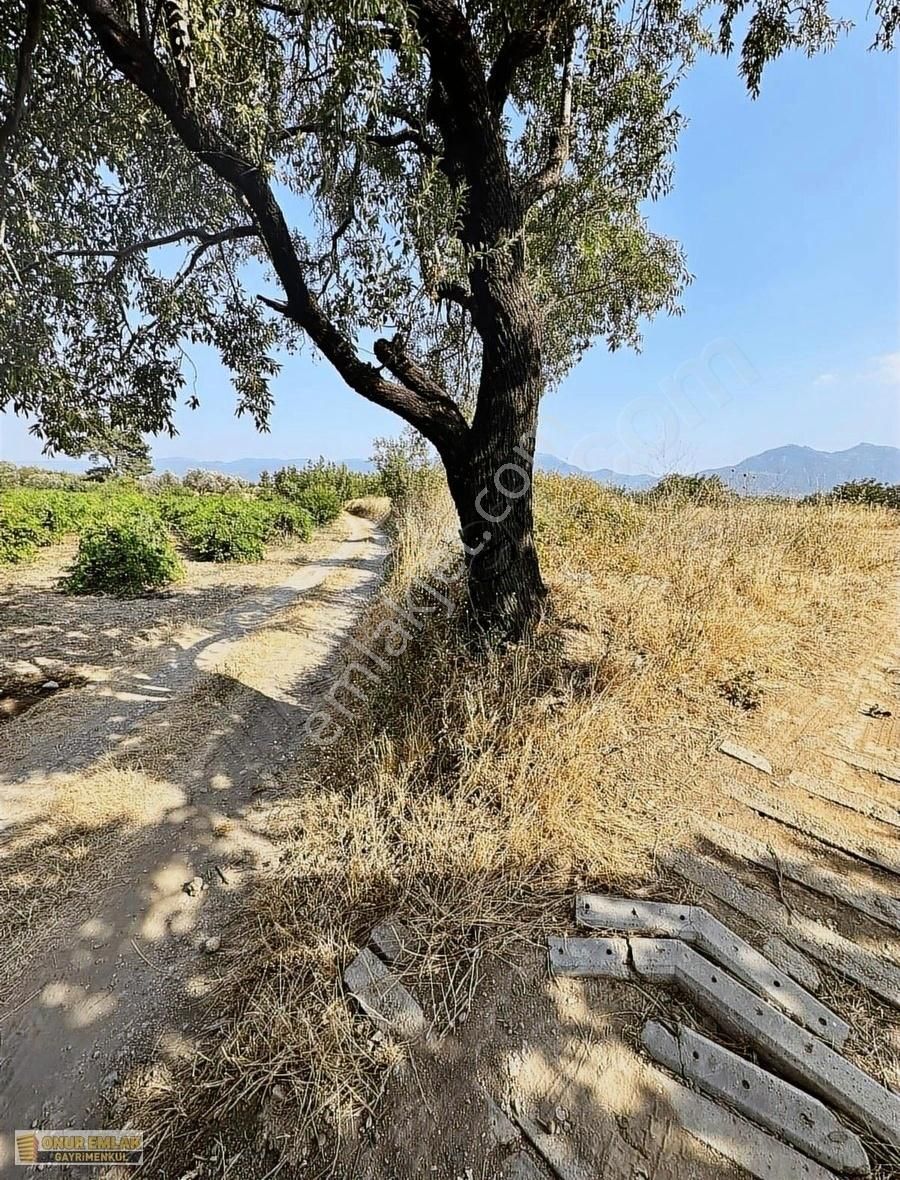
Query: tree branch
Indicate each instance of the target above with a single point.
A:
(407, 135)
(394, 358)
(455, 293)
(123, 253)
(34, 16)
(438, 420)
(518, 47)
(551, 173)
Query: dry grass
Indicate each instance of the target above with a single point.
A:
(473, 793)
(374, 508)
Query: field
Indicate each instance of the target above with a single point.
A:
(471, 794)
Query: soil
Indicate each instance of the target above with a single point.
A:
(122, 972)
(111, 958)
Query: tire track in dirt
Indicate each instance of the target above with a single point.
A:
(122, 964)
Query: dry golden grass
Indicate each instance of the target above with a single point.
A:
(374, 508)
(473, 793)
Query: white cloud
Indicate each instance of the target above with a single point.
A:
(885, 369)
(825, 379)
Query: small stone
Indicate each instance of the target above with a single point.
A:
(279, 1092)
(212, 944)
(50, 686)
(194, 887)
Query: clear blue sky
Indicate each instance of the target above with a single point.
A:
(788, 209)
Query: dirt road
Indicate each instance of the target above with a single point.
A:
(146, 785)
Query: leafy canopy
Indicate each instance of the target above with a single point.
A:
(118, 246)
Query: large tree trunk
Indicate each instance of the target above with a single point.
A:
(492, 489)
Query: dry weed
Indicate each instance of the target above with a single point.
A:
(473, 793)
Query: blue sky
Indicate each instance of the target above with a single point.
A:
(787, 207)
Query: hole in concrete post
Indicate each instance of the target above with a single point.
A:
(682, 917)
(609, 950)
(776, 982)
(822, 1020)
(695, 1055)
(745, 1084)
(714, 979)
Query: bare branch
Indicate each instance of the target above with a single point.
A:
(551, 173)
(205, 237)
(34, 15)
(438, 419)
(407, 135)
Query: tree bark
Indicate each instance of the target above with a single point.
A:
(493, 484)
(493, 495)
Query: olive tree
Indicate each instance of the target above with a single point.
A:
(443, 198)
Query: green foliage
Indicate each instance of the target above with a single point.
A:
(231, 528)
(868, 491)
(287, 519)
(321, 502)
(293, 482)
(321, 488)
(21, 533)
(337, 102)
(698, 489)
(128, 553)
(122, 451)
(221, 530)
(30, 518)
(402, 464)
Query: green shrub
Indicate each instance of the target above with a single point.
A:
(868, 491)
(404, 465)
(294, 482)
(287, 519)
(226, 529)
(21, 533)
(699, 489)
(321, 502)
(128, 553)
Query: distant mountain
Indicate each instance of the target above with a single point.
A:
(784, 471)
(797, 471)
(545, 462)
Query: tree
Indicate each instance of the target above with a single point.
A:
(118, 452)
(469, 174)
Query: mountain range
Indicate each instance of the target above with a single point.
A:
(786, 471)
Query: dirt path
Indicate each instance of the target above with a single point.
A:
(150, 779)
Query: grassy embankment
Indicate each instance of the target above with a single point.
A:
(473, 795)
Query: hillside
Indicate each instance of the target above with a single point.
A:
(787, 471)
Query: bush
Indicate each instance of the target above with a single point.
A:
(868, 491)
(701, 489)
(286, 519)
(212, 482)
(226, 529)
(126, 554)
(231, 528)
(321, 502)
(21, 533)
(295, 482)
(403, 464)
